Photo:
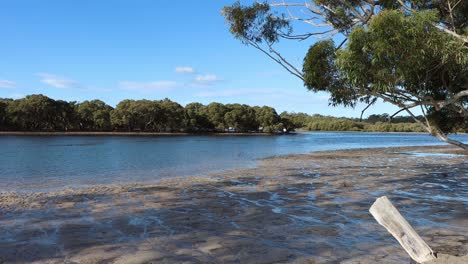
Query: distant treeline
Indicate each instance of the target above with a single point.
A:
(41, 113)
(374, 123)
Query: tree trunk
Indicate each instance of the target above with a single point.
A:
(445, 139)
(435, 131)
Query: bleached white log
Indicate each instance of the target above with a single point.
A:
(388, 216)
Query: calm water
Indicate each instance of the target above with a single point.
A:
(51, 163)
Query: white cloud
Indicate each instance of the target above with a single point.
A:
(148, 87)
(207, 79)
(58, 81)
(185, 70)
(7, 84)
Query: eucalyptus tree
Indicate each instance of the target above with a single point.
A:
(295, 120)
(172, 115)
(146, 115)
(142, 115)
(267, 118)
(241, 117)
(215, 113)
(34, 112)
(122, 118)
(4, 112)
(65, 117)
(94, 115)
(412, 54)
(196, 118)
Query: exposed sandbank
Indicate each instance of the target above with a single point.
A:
(295, 209)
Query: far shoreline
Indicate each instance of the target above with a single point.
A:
(383, 132)
(136, 134)
(179, 134)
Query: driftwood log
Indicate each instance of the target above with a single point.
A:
(388, 216)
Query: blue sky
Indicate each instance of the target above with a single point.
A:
(113, 50)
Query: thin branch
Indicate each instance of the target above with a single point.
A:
(404, 108)
(305, 36)
(443, 103)
(283, 3)
(309, 7)
(341, 44)
(255, 45)
(399, 111)
(367, 107)
(455, 5)
(400, 104)
(446, 30)
(299, 73)
(428, 128)
(305, 20)
(404, 95)
(356, 12)
(450, 8)
(425, 116)
(462, 38)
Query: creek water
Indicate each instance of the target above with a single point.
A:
(44, 163)
(299, 209)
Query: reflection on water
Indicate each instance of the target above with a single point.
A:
(55, 162)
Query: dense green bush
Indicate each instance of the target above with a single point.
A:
(41, 113)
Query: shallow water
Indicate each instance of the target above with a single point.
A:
(45, 163)
(295, 209)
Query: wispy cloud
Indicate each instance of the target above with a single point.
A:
(207, 79)
(7, 84)
(259, 94)
(248, 93)
(185, 70)
(223, 93)
(58, 81)
(16, 96)
(148, 87)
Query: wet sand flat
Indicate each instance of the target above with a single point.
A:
(295, 209)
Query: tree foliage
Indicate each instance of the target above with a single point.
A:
(41, 113)
(196, 117)
(412, 54)
(268, 119)
(37, 112)
(94, 115)
(216, 113)
(241, 117)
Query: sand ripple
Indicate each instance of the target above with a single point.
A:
(294, 209)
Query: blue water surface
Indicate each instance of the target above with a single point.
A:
(43, 163)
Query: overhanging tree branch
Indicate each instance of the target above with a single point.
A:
(457, 97)
(391, 72)
(399, 111)
(367, 107)
(293, 72)
(444, 29)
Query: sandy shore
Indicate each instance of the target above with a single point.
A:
(294, 209)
